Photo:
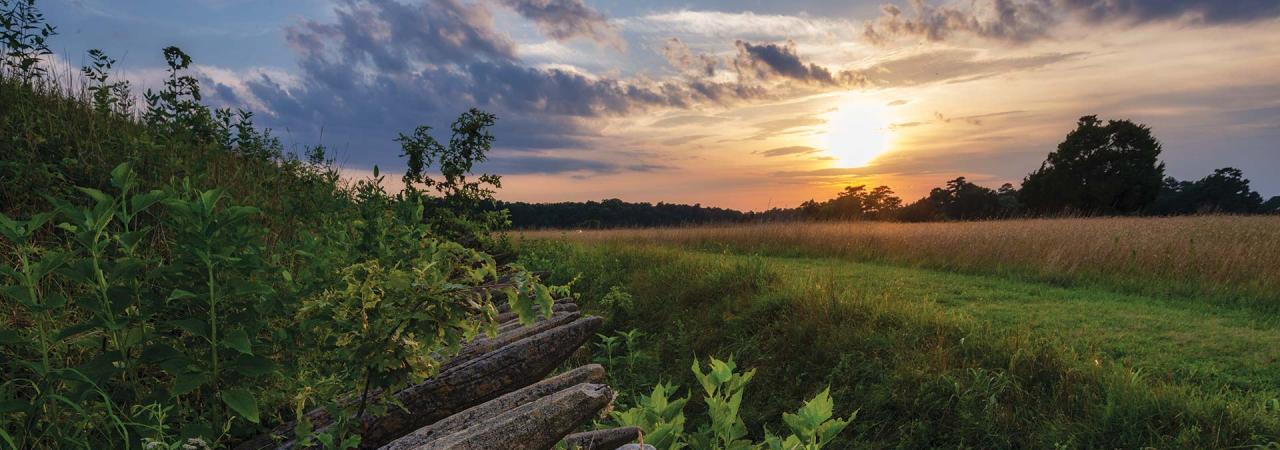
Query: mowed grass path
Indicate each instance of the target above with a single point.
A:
(1178, 340)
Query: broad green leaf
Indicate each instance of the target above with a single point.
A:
(188, 382)
(253, 365)
(141, 202)
(191, 325)
(179, 294)
(242, 402)
(98, 196)
(158, 353)
(120, 175)
(74, 330)
(238, 340)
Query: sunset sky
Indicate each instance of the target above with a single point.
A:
(741, 104)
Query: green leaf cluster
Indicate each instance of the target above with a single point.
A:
(661, 416)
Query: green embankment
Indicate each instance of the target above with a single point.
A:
(941, 359)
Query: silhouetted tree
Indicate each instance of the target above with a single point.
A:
(919, 211)
(1099, 169)
(1008, 198)
(1226, 190)
(1271, 206)
(962, 200)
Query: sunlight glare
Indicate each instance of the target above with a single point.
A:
(857, 133)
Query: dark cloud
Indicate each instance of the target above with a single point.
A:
(765, 61)
(386, 66)
(566, 19)
(550, 165)
(783, 151)
(557, 165)
(1209, 11)
(646, 167)
(388, 35)
(1025, 20)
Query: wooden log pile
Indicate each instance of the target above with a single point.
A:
(493, 395)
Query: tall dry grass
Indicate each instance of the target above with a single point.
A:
(1233, 256)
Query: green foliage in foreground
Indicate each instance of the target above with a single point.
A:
(170, 278)
(920, 375)
(662, 418)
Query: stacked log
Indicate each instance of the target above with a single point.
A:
(492, 395)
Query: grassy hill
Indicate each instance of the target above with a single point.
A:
(171, 278)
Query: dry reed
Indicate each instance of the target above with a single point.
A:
(1220, 254)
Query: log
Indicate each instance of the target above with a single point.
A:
(481, 346)
(562, 305)
(457, 388)
(537, 425)
(513, 324)
(607, 439)
(592, 373)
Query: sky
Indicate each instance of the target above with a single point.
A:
(746, 104)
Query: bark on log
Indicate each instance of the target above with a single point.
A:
(509, 325)
(485, 345)
(562, 305)
(636, 447)
(592, 373)
(459, 387)
(608, 439)
(538, 425)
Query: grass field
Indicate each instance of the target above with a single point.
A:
(955, 334)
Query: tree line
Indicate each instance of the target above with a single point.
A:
(1099, 169)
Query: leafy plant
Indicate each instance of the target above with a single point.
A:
(108, 96)
(662, 419)
(25, 36)
(812, 426)
(722, 388)
(175, 281)
(459, 215)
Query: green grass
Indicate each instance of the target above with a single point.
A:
(943, 359)
(1205, 344)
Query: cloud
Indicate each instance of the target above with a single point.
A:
(682, 140)
(382, 66)
(389, 35)
(952, 65)
(567, 19)
(783, 151)
(687, 120)
(1008, 20)
(681, 57)
(765, 61)
(1019, 21)
(771, 128)
(1207, 11)
(975, 119)
(558, 165)
(738, 25)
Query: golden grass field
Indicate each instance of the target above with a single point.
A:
(1220, 254)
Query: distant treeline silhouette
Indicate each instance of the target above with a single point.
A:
(1101, 168)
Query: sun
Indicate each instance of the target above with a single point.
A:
(857, 133)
